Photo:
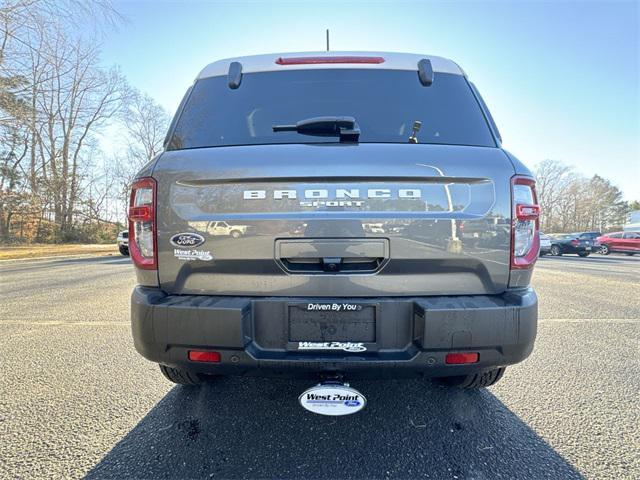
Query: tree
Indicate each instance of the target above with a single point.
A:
(146, 123)
(54, 99)
(570, 202)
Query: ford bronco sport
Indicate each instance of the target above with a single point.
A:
(392, 234)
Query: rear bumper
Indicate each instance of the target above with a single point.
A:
(412, 335)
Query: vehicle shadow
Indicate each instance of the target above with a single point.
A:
(254, 428)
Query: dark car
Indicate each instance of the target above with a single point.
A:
(622, 242)
(581, 244)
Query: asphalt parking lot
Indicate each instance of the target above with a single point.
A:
(77, 400)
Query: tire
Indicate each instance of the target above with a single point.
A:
(605, 250)
(124, 251)
(630, 254)
(583, 254)
(556, 251)
(182, 377)
(236, 234)
(475, 380)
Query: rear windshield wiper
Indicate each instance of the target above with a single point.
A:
(344, 127)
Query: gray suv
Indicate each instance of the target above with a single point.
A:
(392, 235)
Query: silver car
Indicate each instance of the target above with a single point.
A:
(545, 244)
(123, 242)
(324, 155)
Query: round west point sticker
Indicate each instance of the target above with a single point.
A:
(332, 400)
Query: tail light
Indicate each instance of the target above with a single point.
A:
(525, 239)
(575, 242)
(142, 224)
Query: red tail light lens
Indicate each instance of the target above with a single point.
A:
(461, 358)
(328, 59)
(142, 224)
(525, 239)
(527, 212)
(204, 356)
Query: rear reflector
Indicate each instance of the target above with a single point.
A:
(319, 60)
(204, 356)
(458, 358)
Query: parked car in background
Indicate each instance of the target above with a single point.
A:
(123, 242)
(593, 236)
(545, 244)
(574, 243)
(622, 242)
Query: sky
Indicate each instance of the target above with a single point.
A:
(561, 78)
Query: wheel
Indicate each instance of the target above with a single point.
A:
(605, 250)
(124, 251)
(583, 254)
(236, 233)
(555, 251)
(182, 377)
(475, 380)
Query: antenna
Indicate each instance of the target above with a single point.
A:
(327, 39)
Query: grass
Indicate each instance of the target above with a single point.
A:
(54, 250)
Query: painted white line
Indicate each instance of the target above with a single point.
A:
(54, 323)
(619, 268)
(582, 320)
(54, 257)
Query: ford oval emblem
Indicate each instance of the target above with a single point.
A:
(187, 239)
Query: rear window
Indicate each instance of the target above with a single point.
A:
(385, 103)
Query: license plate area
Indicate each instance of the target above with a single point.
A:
(332, 322)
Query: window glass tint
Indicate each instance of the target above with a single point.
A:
(385, 103)
(631, 235)
(615, 235)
